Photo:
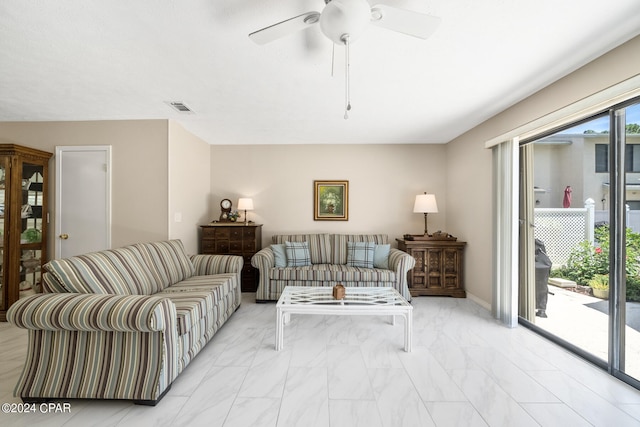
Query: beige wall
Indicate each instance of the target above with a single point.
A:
(139, 161)
(189, 184)
(468, 173)
(383, 183)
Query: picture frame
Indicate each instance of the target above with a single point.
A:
(330, 200)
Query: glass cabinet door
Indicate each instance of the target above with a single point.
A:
(3, 183)
(31, 227)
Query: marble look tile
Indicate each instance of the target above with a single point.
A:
(241, 348)
(382, 353)
(309, 351)
(431, 381)
(517, 383)
(163, 414)
(306, 384)
(267, 374)
(261, 412)
(354, 413)
(450, 355)
(398, 401)
(348, 377)
(465, 369)
(584, 401)
(190, 378)
(310, 413)
(555, 415)
(455, 414)
(492, 402)
(631, 409)
(211, 402)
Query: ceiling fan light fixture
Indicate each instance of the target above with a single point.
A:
(341, 17)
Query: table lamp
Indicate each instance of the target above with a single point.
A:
(245, 204)
(425, 203)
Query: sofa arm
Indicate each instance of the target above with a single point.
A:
(401, 262)
(93, 312)
(217, 264)
(264, 260)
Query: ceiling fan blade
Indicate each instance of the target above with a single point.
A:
(404, 21)
(284, 28)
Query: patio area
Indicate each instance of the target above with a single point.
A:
(582, 320)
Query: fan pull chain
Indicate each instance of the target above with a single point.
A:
(347, 94)
(333, 57)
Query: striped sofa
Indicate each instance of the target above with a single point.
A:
(328, 265)
(122, 323)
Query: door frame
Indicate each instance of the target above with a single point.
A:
(58, 190)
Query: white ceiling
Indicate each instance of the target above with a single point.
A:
(124, 59)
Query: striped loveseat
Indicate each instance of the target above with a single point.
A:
(122, 323)
(330, 262)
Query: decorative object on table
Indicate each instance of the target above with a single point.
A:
(331, 200)
(245, 204)
(225, 209)
(438, 235)
(338, 291)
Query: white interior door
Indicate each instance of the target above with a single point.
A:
(83, 200)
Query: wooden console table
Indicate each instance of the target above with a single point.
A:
(438, 269)
(229, 238)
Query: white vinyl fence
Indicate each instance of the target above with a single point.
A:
(561, 230)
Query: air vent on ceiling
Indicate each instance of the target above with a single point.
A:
(180, 107)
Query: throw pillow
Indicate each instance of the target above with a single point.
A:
(281, 255)
(381, 256)
(360, 254)
(297, 254)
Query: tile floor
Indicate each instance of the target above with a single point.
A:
(465, 370)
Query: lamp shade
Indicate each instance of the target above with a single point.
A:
(425, 203)
(245, 204)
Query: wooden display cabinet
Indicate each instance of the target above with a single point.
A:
(23, 222)
(234, 239)
(438, 269)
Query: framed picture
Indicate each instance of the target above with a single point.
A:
(331, 200)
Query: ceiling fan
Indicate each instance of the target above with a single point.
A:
(343, 21)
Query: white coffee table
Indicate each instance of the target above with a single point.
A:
(357, 301)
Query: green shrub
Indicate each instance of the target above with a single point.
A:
(588, 262)
(599, 281)
(633, 288)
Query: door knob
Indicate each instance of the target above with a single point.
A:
(64, 236)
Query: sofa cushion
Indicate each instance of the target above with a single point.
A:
(280, 253)
(114, 271)
(297, 254)
(167, 260)
(339, 248)
(381, 256)
(332, 273)
(360, 254)
(197, 296)
(319, 245)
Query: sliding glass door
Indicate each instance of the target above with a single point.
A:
(579, 274)
(629, 364)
